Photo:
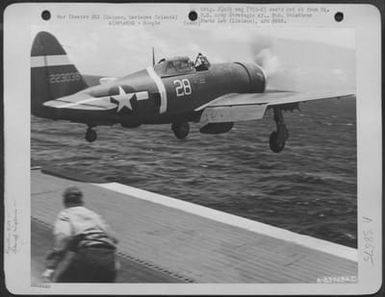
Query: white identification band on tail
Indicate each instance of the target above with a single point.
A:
(52, 60)
(161, 88)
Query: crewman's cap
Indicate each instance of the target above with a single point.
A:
(73, 195)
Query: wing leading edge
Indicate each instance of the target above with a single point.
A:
(252, 106)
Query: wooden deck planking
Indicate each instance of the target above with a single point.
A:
(201, 249)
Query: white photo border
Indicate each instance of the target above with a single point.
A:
(18, 19)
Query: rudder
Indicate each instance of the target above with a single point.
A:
(52, 74)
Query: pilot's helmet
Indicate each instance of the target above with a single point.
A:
(72, 195)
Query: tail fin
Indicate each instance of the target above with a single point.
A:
(52, 74)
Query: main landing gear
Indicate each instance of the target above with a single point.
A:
(279, 137)
(180, 129)
(91, 135)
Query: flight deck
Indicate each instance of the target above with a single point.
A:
(166, 240)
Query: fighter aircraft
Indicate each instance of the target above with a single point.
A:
(173, 91)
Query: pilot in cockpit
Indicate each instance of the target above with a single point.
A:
(201, 63)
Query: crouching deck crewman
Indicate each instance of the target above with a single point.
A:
(84, 247)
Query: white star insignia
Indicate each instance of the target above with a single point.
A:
(123, 99)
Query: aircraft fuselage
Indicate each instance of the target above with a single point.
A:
(152, 96)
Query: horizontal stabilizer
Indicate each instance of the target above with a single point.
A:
(82, 101)
(106, 80)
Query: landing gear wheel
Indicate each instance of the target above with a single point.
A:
(278, 138)
(180, 130)
(275, 145)
(91, 135)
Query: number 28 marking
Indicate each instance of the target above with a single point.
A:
(182, 87)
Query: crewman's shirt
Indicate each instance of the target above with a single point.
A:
(76, 228)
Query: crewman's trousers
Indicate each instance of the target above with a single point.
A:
(91, 264)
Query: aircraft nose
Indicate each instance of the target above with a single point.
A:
(257, 77)
(261, 78)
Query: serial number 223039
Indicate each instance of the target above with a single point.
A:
(64, 77)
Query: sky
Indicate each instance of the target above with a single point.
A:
(296, 57)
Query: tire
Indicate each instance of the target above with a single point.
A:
(274, 145)
(181, 130)
(91, 135)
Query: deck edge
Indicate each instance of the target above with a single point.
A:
(237, 221)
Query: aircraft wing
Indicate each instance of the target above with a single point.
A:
(252, 106)
(82, 101)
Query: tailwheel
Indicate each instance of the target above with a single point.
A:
(180, 130)
(278, 138)
(91, 135)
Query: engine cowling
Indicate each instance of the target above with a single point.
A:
(257, 77)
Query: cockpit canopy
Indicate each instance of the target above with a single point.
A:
(174, 66)
(201, 63)
(181, 65)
